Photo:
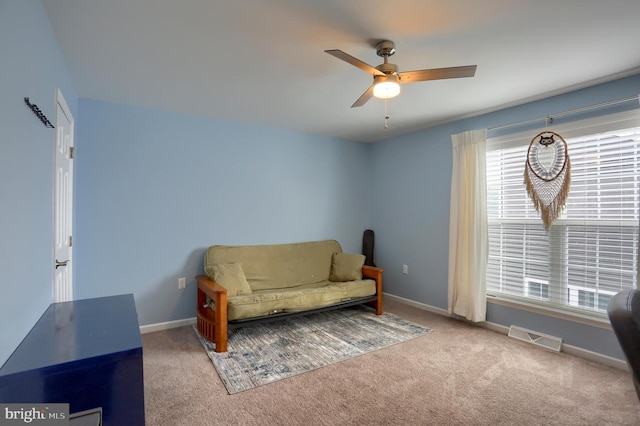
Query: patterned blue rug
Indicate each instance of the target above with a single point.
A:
(274, 351)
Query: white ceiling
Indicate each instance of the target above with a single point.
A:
(263, 61)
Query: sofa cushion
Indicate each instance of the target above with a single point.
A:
(346, 267)
(276, 266)
(310, 296)
(230, 276)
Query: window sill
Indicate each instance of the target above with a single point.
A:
(551, 312)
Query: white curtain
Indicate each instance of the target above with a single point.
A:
(468, 227)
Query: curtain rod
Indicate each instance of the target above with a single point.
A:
(573, 111)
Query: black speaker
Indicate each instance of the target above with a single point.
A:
(368, 241)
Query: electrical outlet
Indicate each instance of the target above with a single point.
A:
(405, 269)
(182, 283)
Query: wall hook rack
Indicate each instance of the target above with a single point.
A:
(39, 114)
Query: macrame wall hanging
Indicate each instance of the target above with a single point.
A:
(547, 175)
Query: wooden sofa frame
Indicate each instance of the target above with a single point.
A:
(214, 325)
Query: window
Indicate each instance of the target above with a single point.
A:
(536, 289)
(591, 250)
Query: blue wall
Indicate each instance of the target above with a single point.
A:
(410, 212)
(31, 66)
(155, 188)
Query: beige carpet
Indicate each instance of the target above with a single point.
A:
(457, 375)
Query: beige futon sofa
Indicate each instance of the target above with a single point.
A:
(248, 284)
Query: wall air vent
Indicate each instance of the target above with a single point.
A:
(540, 339)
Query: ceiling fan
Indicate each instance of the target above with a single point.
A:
(387, 79)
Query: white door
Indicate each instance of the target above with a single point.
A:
(63, 203)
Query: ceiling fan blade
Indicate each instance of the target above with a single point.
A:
(437, 74)
(364, 97)
(354, 61)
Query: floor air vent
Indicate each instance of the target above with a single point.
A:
(544, 340)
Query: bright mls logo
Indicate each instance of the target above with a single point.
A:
(36, 414)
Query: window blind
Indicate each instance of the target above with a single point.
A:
(591, 250)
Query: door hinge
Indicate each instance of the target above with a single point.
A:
(72, 151)
(70, 241)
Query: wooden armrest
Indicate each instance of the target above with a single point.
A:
(375, 273)
(208, 287)
(371, 271)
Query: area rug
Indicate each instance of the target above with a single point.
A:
(278, 350)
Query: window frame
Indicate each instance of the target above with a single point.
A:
(579, 128)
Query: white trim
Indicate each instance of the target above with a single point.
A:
(418, 305)
(566, 315)
(568, 349)
(150, 328)
(65, 107)
(67, 293)
(595, 357)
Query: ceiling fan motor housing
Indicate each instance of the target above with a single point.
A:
(385, 48)
(389, 78)
(388, 68)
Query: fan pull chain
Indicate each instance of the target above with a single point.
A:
(386, 116)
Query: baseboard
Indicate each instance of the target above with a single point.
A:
(166, 325)
(595, 357)
(418, 305)
(569, 349)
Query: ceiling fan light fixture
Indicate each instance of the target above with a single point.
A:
(386, 90)
(386, 87)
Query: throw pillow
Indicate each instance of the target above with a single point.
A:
(230, 276)
(346, 267)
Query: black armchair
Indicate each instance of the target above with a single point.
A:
(624, 314)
